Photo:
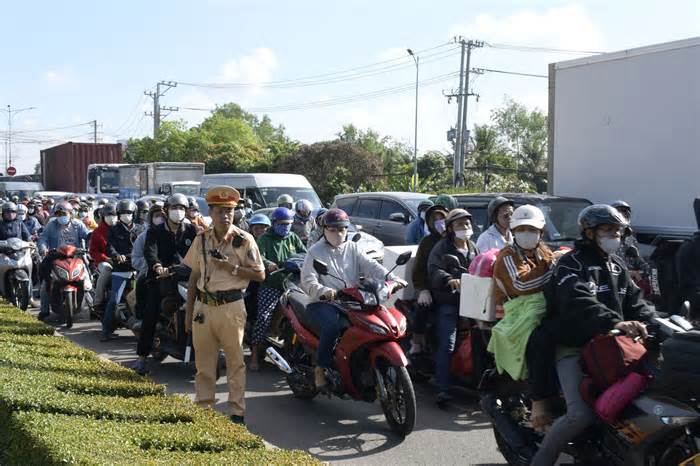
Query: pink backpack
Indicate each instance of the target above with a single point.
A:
(482, 265)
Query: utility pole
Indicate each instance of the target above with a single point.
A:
(94, 131)
(8, 153)
(157, 109)
(464, 129)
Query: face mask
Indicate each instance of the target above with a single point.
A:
(463, 234)
(439, 226)
(282, 229)
(422, 216)
(82, 214)
(158, 220)
(176, 215)
(335, 239)
(31, 211)
(608, 245)
(64, 219)
(21, 216)
(237, 215)
(527, 239)
(126, 218)
(111, 220)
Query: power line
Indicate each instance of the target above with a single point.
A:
(333, 77)
(516, 73)
(52, 129)
(529, 48)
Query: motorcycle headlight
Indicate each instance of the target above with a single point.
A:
(62, 273)
(76, 273)
(375, 328)
(679, 420)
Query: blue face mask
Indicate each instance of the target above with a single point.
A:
(64, 220)
(282, 229)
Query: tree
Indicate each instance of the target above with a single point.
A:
(333, 167)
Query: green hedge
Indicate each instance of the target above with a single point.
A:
(62, 404)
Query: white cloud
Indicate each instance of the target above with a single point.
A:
(566, 27)
(58, 78)
(256, 67)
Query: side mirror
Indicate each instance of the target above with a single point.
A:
(321, 268)
(357, 237)
(404, 258)
(397, 217)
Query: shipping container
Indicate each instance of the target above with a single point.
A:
(64, 167)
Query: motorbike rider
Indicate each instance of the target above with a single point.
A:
(224, 259)
(688, 268)
(285, 200)
(142, 208)
(418, 228)
(193, 214)
(435, 220)
(11, 226)
(629, 247)
(258, 225)
(31, 223)
(156, 216)
(276, 246)
(36, 209)
(317, 232)
(589, 294)
(120, 242)
(85, 217)
(303, 222)
(498, 235)
(239, 217)
(445, 287)
(345, 260)
(165, 246)
(98, 253)
(63, 230)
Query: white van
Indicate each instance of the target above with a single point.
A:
(264, 188)
(23, 189)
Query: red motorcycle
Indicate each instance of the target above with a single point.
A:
(66, 287)
(368, 361)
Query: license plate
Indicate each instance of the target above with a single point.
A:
(692, 461)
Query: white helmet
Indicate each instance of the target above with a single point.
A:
(527, 215)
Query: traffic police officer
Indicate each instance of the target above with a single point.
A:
(223, 259)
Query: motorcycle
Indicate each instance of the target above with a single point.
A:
(123, 313)
(68, 283)
(658, 428)
(368, 361)
(16, 267)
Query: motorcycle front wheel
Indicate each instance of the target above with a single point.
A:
(69, 308)
(400, 404)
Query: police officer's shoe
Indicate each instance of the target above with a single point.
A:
(240, 420)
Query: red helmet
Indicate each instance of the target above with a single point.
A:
(336, 218)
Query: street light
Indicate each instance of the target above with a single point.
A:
(10, 112)
(415, 134)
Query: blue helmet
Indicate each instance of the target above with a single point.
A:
(260, 219)
(282, 213)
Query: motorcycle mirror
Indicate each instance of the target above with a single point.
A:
(321, 268)
(357, 237)
(404, 258)
(685, 309)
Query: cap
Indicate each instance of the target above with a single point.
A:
(222, 196)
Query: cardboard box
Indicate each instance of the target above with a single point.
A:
(391, 254)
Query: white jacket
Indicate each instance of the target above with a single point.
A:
(346, 261)
(493, 239)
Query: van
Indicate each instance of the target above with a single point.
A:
(23, 189)
(264, 188)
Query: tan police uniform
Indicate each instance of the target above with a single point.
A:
(220, 303)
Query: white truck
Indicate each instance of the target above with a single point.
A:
(141, 179)
(626, 125)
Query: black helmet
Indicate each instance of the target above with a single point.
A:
(126, 206)
(596, 215)
(495, 204)
(192, 203)
(108, 209)
(177, 199)
(142, 205)
(9, 207)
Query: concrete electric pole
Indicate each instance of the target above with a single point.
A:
(157, 109)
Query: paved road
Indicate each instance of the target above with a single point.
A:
(337, 431)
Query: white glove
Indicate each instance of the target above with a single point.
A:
(424, 298)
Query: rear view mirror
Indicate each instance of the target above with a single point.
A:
(403, 258)
(397, 217)
(356, 237)
(321, 268)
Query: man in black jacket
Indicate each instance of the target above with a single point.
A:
(688, 267)
(589, 294)
(120, 242)
(166, 245)
(445, 276)
(10, 227)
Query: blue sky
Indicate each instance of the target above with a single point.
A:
(77, 61)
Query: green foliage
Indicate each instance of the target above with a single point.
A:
(62, 404)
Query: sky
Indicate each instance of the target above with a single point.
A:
(312, 66)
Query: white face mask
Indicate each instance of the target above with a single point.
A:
(439, 226)
(111, 220)
(176, 215)
(126, 218)
(527, 239)
(464, 234)
(335, 239)
(608, 245)
(21, 217)
(158, 220)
